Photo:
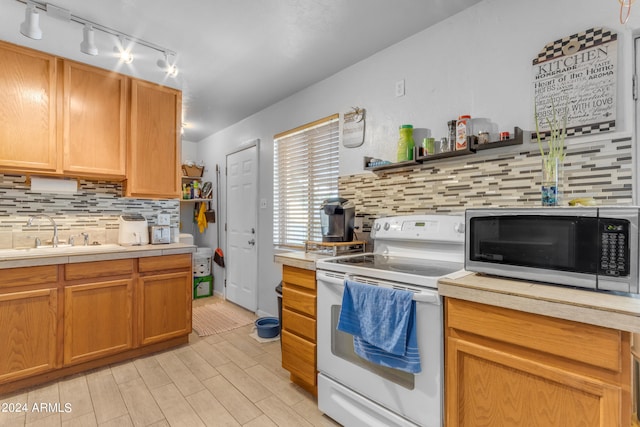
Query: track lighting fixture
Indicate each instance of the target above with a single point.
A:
(31, 25)
(31, 28)
(88, 44)
(165, 64)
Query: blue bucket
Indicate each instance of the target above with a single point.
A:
(268, 327)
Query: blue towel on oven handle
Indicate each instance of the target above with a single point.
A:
(382, 322)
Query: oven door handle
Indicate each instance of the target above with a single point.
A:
(429, 296)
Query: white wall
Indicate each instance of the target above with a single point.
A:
(477, 62)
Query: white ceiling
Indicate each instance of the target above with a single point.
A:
(237, 57)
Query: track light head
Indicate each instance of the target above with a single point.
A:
(124, 53)
(31, 25)
(88, 44)
(166, 65)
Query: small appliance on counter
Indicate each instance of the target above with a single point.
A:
(594, 247)
(160, 234)
(133, 230)
(337, 216)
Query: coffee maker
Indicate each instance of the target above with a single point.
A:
(336, 220)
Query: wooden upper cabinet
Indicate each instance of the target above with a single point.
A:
(94, 121)
(153, 168)
(27, 110)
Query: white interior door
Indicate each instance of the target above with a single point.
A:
(241, 256)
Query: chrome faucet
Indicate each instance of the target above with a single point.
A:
(54, 240)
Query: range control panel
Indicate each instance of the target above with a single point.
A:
(444, 228)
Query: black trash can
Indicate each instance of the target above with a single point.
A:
(279, 292)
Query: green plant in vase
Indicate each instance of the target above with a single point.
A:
(553, 159)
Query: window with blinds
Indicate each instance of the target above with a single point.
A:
(305, 173)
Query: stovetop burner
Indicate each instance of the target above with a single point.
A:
(417, 266)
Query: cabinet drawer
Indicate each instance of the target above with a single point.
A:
(45, 274)
(90, 270)
(299, 277)
(299, 324)
(299, 300)
(589, 344)
(166, 262)
(299, 357)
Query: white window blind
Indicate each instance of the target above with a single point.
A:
(305, 173)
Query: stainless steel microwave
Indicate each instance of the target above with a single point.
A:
(587, 247)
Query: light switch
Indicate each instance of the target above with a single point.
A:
(400, 88)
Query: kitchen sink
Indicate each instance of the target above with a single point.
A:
(61, 250)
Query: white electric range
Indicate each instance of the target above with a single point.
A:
(411, 253)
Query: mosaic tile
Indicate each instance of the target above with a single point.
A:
(95, 208)
(602, 169)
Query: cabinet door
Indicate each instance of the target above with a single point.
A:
(492, 388)
(27, 110)
(153, 168)
(164, 306)
(28, 333)
(98, 320)
(94, 121)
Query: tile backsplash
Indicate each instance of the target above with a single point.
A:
(493, 178)
(93, 209)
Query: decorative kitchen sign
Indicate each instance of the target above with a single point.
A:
(577, 74)
(353, 128)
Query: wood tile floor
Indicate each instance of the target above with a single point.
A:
(227, 379)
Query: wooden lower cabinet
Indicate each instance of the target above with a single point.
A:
(511, 368)
(98, 320)
(28, 333)
(28, 322)
(299, 326)
(62, 319)
(164, 306)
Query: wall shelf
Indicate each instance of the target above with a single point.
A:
(472, 147)
(447, 154)
(195, 200)
(518, 139)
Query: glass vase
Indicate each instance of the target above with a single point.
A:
(551, 181)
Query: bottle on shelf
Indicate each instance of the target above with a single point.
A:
(463, 130)
(405, 143)
(196, 190)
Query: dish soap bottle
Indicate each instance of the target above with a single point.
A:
(405, 143)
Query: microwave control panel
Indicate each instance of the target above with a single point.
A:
(614, 247)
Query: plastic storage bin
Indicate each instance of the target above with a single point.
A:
(202, 262)
(202, 287)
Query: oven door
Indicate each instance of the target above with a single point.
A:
(354, 391)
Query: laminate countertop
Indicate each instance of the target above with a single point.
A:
(300, 259)
(33, 258)
(614, 311)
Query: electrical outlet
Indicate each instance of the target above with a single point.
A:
(400, 88)
(164, 219)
